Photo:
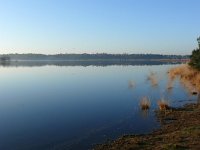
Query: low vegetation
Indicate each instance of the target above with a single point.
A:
(163, 104)
(189, 77)
(145, 103)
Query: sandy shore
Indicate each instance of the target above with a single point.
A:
(180, 129)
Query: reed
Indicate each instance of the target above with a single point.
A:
(163, 104)
(189, 77)
(145, 103)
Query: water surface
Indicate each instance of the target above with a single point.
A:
(74, 107)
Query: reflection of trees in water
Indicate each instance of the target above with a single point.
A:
(85, 63)
(5, 61)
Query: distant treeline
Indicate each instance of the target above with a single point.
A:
(85, 63)
(102, 56)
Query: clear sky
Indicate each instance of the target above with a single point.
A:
(91, 26)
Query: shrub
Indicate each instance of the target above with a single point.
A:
(163, 104)
(195, 59)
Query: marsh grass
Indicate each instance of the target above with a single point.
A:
(163, 104)
(145, 103)
(189, 77)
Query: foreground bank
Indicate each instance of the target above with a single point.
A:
(180, 129)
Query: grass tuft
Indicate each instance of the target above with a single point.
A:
(145, 103)
(163, 104)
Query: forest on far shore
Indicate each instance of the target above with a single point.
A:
(98, 56)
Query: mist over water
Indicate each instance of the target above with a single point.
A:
(46, 106)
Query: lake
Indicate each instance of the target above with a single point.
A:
(65, 105)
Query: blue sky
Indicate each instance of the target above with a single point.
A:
(91, 26)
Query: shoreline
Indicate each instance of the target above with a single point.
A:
(180, 129)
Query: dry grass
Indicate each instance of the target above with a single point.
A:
(189, 77)
(163, 104)
(145, 103)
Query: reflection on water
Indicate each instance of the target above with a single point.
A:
(4, 61)
(145, 113)
(131, 84)
(53, 107)
(153, 79)
(82, 63)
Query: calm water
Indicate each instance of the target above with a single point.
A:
(74, 107)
